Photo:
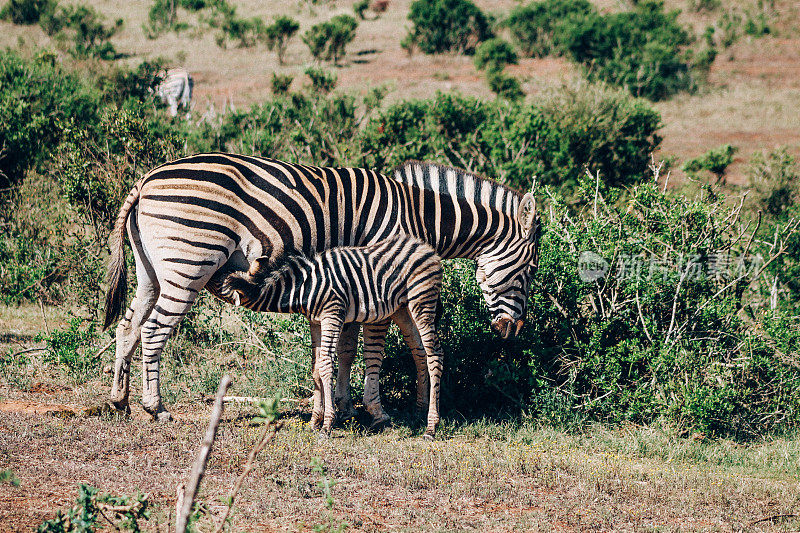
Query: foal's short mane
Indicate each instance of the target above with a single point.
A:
(421, 174)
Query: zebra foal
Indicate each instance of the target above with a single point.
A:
(396, 279)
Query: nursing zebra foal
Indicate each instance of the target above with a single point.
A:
(175, 90)
(195, 221)
(398, 278)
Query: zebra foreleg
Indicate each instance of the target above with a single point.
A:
(348, 343)
(318, 410)
(374, 344)
(331, 329)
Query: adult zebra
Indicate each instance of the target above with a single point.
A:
(193, 221)
(175, 90)
(398, 278)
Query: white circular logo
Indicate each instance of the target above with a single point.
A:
(591, 267)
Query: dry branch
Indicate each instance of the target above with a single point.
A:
(187, 493)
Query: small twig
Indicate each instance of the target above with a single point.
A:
(44, 316)
(187, 493)
(770, 518)
(253, 399)
(104, 348)
(269, 433)
(28, 350)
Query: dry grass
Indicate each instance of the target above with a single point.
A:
(479, 477)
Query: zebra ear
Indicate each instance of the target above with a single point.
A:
(526, 213)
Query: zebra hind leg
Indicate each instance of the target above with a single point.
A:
(424, 322)
(128, 335)
(412, 338)
(374, 344)
(167, 313)
(129, 329)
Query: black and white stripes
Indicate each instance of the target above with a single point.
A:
(194, 221)
(398, 278)
(175, 90)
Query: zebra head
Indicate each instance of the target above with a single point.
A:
(505, 273)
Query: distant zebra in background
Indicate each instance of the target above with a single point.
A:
(195, 221)
(396, 279)
(175, 90)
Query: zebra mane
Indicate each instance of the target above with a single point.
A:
(460, 184)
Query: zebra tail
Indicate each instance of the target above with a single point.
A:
(117, 269)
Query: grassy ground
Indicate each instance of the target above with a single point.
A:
(477, 476)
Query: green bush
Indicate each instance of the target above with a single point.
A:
(494, 54)
(280, 83)
(321, 81)
(85, 27)
(538, 27)
(715, 161)
(642, 50)
(552, 138)
(37, 100)
(505, 86)
(95, 178)
(313, 129)
(278, 33)
(447, 26)
(27, 11)
(328, 40)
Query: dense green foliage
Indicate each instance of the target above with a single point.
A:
(447, 26)
(644, 50)
(641, 50)
(36, 100)
(539, 28)
(494, 54)
(552, 139)
(328, 40)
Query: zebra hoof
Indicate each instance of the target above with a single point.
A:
(323, 436)
(428, 437)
